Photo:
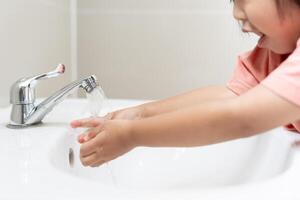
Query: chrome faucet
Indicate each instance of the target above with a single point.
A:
(22, 97)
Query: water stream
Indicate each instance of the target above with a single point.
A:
(99, 107)
(98, 103)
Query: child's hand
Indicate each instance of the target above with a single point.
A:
(106, 142)
(126, 114)
(91, 123)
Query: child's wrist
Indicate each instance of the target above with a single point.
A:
(132, 135)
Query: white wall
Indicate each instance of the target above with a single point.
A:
(138, 48)
(34, 37)
(157, 48)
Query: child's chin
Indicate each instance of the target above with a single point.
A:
(278, 48)
(284, 48)
(281, 50)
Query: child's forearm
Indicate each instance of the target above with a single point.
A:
(203, 124)
(185, 100)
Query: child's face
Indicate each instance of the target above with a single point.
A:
(279, 32)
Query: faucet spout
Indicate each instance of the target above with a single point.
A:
(88, 84)
(24, 112)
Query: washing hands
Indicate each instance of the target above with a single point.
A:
(106, 137)
(181, 121)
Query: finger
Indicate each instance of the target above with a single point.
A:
(87, 149)
(92, 133)
(89, 134)
(297, 143)
(89, 160)
(109, 116)
(81, 139)
(91, 146)
(87, 123)
(99, 163)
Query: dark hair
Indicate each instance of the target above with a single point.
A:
(280, 2)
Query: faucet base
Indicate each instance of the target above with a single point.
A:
(23, 126)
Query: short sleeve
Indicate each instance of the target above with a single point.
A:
(242, 79)
(251, 68)
(285, 80)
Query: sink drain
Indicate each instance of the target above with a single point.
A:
(71, 157)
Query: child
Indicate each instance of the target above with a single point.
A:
(263, 93)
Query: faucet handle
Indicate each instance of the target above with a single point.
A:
(60, 69)
(22, 91)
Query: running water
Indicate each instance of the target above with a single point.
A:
(98, 103)
(100, 107)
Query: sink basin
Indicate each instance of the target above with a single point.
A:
(231, 163)
(42, 162)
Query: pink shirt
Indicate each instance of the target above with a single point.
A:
(279, 73)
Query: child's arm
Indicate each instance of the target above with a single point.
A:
(191, 98)
(254, 112)
(151, 109)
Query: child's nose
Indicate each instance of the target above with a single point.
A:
(246, 27)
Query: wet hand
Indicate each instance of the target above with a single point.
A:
(94, 124)
(109, 140)
(131, 113)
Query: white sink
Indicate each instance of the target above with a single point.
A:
(43, 163)
(230, 163)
